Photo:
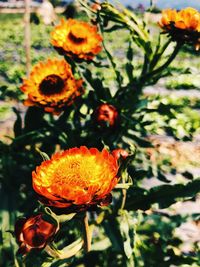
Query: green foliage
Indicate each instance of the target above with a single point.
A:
(163, 195)
(184, 81)
(172, 116)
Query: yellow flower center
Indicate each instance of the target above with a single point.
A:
(51, 84)
(78, 171)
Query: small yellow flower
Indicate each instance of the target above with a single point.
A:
(76, 178)
(52, 86)
(76, 39)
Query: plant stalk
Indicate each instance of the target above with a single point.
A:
(124, 192)
(86, 233)
(164, 66)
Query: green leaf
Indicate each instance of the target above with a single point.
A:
(138, 174)
(162, 177)
(129, 64)
(33, 119)
(18, 123)
(114, 28)
(140, 141)
(60, 218)
(42, 154)
(127, 231)
(112, 231)
(164, 195)
(96, 83)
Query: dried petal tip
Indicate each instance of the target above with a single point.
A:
(77, 178)
(33, 233)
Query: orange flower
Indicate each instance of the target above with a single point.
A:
(51, 85)
(183, 25)
(106, 115)
(76, 178)
(76, 39)
(33, 233)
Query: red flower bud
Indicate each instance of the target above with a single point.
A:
(106, 115)
(119, 152)
(33, 233)
(96, 6)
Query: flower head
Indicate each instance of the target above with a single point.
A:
(51, 85)
(183, 25)
(33, 233)
(76, 178)
(76, 39)
(106, 115)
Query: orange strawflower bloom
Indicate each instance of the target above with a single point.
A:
(76, 178)
(183, 25)
(52, 86)
(34, 233)
(76, 39)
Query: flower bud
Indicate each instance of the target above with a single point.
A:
(33, 233)
(119, 152)
(106, 115)
(96, 6)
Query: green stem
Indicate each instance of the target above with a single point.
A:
(145, 65)
(164, 66)
(72, 63)
(110, 59)
(124, 17)
(53, 253)
(124, 193)
(87, 7)
(157, 55)
(133, 23)
(86, 233)
(16, 262)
